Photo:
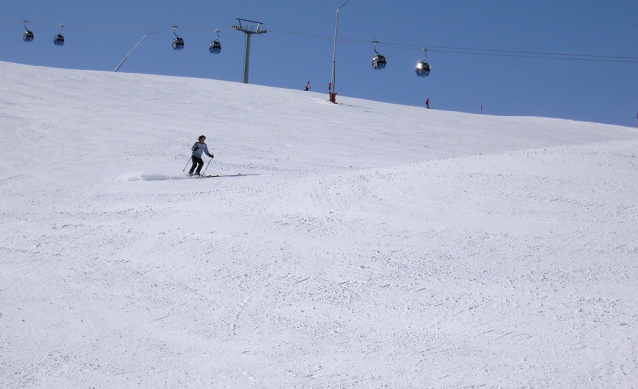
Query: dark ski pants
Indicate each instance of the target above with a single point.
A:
(197, 163)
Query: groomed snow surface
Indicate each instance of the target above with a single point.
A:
(358, 245)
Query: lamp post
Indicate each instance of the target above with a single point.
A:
(334, 50)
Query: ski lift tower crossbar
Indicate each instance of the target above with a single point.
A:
(248, 31)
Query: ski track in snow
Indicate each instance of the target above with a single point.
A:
(165, 177)
(362, 245)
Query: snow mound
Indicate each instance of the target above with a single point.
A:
(152, 177)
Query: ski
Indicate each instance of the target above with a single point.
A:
(203, 176)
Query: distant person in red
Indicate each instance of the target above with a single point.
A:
(427, 103)
(333, 96)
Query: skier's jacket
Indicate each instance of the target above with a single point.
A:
(199, 149)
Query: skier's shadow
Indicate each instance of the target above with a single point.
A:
(239, 175)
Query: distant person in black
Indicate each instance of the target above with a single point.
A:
(198, 149)
(307, 86)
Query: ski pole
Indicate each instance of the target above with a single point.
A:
(209, 161)
(189, 161)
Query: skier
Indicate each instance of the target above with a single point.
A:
(427, 103)
(198, 149)
(307, 86)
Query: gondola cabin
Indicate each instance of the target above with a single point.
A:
(215, 47)
(28, 36)
(178, 43)
(58, 40)
(423, 69)
(378, 62)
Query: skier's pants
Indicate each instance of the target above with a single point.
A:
(197, 163)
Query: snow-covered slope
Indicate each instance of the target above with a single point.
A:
(360, 245)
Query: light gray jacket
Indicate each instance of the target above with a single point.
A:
(199, 149)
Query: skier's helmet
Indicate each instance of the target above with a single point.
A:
(201, 137)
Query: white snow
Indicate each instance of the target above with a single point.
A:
(358, 245)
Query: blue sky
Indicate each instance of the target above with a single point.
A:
(298, 48)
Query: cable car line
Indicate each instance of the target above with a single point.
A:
(485, 52)
(539, 56)
(110, 26)
(437, 49)
(523, 54)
